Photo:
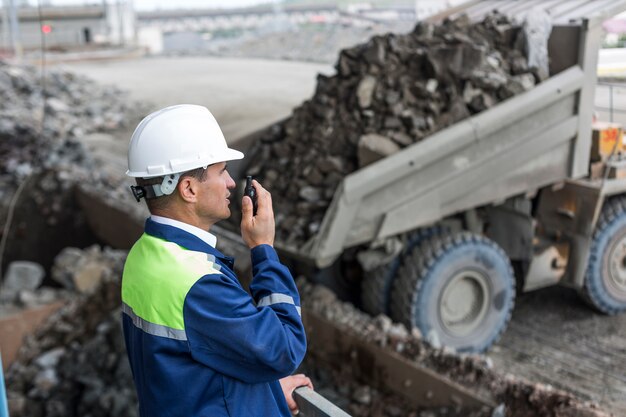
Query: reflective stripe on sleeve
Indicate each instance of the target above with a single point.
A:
(152, 328)
(277, 298)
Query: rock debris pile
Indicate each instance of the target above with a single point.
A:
(42, 120)
(388, 93)
(76, 365)
(42, 123)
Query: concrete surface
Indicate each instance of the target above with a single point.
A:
(243, 94)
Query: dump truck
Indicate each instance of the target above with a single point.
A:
(515, 198)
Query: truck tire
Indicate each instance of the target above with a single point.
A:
(377, 284)
(458, 290)
(605, 279)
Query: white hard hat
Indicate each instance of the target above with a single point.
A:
(177, 139)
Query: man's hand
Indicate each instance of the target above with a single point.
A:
(289, 384)
(258, 230)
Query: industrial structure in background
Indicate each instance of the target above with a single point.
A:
(116, 23)
(109, 23)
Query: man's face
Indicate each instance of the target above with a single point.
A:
(213, 202)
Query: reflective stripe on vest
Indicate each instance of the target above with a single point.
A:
(157, 276)
(151, 328)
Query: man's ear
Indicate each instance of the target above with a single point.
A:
(187, 189)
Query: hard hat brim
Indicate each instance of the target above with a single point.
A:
(226, 155)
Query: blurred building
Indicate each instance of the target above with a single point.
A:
(426, 8)
(419, 11)
(107, 23)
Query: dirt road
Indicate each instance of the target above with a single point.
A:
(243, 94)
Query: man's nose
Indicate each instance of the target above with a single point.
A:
(230, 182)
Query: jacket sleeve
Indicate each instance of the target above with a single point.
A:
(253, 340)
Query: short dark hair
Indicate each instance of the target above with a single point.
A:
(161, 202)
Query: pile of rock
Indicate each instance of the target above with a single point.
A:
(43, 118)
(76, 364)
(388, 93)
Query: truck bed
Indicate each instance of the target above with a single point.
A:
(532, 140)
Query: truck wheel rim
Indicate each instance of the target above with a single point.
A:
(464, 302)
(617, 268)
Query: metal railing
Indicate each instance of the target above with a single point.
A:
(311, 404)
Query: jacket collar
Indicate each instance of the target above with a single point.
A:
(200, 233)
(185, 239)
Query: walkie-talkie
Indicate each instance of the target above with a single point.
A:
(251, 192)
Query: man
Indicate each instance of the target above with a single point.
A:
(198, 344)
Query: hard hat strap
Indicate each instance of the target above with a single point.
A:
(167, 187)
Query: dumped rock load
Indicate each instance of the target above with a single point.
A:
(388, 93)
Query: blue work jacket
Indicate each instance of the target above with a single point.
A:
(199, 345)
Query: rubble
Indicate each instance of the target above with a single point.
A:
(76, 365)
(42, 122)
(388, 93)
(78, 272)
(43, 119)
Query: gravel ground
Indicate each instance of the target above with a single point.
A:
(556, 339)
